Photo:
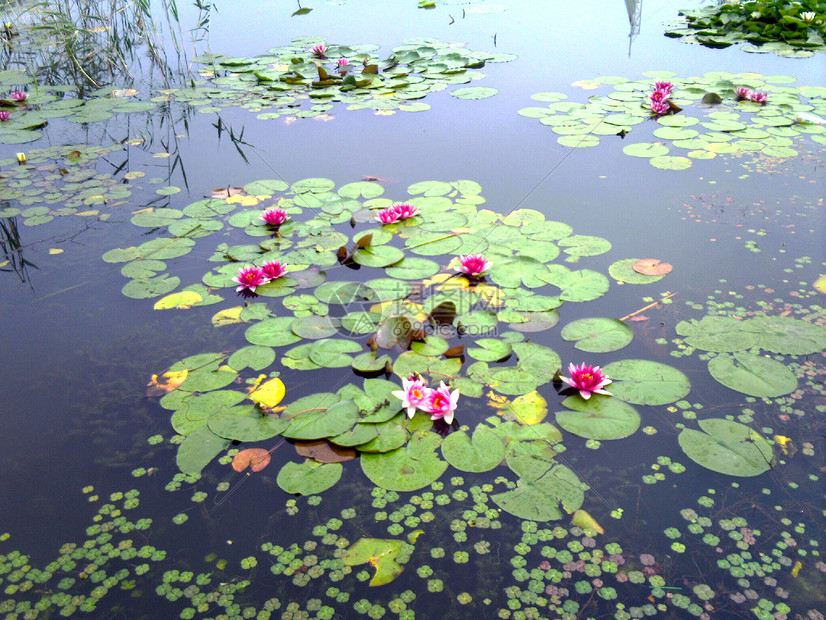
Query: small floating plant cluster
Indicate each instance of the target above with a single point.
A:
(789, 28)
(696, 118)
(279, 82)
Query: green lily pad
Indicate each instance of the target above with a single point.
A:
(643, 382)
(338, 418)
(622, 271)
(309, 477)
(482, 453)
(474, 92)
(598, 335)
(252, 427)
(490, 350)
(788, 335)
(718, 333)
(599, 417)
(273, 332)
(381, 553)
(752, 374)
(198, 449)
(727, 447)
(253, 356)
(540, 499)
(408, 468)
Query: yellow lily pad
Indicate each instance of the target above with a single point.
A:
(181, 300)
(269, 393)
(227, 316)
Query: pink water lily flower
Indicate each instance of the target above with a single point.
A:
(319, 50)
(759, 96)
(274, 217)
(414, 395)
(342, 62)
(473, 265)
(666, 86)
(442, 403)
(273, 270)
(4, 116)
(19, 96)
(405, 210)
(660, 107)
(743, 92)
(388, 216)
(660, 95)
(250, 277)
(587, 379)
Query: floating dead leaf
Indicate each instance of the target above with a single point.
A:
(227, 316)
(371, 69)
(124, 92)
(457, 351)
(444, 313)
(652, 267)
(55, 251)
(584, 520)
(323, 451)
(372, 179)
(820, 284)
(226, 192)
(639, 317)
(365, 241)
(254, 458)
(168, 381)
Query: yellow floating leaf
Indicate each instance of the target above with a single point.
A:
(227, 316)
(396, 308)
(586, 84)
(384, 112)
(181, 300)
(167, 382)
(798, 565)
(784, 442)
(491, 295)
(244, 201)
(412, 537)
(88, 213)
(124, 92)
(147, 210)
(161, 155)
(269, 393)
(4, 263)
(584, 520)
(55, 251)
(820, 284)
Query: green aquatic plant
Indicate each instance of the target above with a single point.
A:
(789, 29)
(279, 83)
(702, 130)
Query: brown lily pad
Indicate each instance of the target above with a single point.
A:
(323, 451)
(254, 458)
(652, 267)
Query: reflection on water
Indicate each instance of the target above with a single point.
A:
(113, 529)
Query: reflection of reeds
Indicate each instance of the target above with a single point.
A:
(13, 250)
(92, 43)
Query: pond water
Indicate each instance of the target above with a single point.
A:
(155, 134)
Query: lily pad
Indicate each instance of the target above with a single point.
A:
(752, 374)
(482, 453)
(545, 498)
(727, 447)
(643, 382)
(309, 477)
(599, 417)
(598, 335)
(409, 468)
(198, 449)
(381, 553)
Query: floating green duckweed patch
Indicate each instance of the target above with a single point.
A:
(309, 71)
(789, 29)
(699, 130)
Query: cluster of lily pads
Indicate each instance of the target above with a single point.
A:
(419, 317)
(281, 81)
(789, 28)
(712, 118)
(46, 102)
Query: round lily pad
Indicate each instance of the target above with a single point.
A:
(598, 335)
(727, 447)
(309, 477)
(474, 92)
(273, 332)
(599, 417)
(255, 427)
(752, 374)
(482, 453)
(543, 499)
(643, 382)
(408, 468)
